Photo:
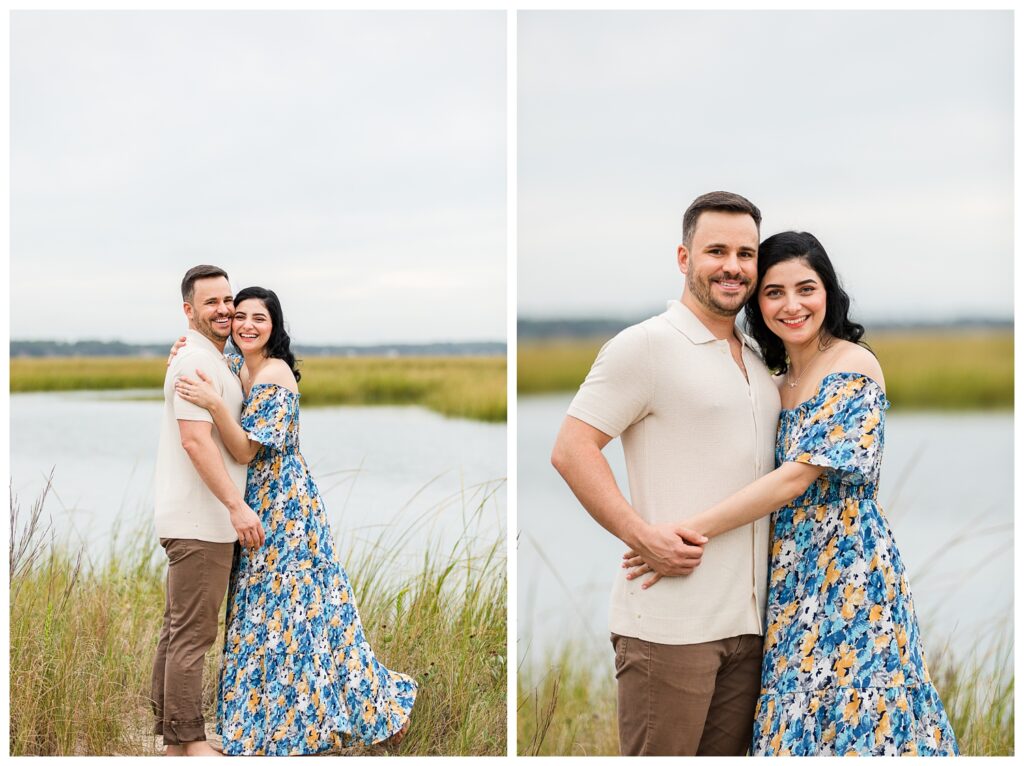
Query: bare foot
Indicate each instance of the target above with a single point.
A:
(395, 739)
(173, 750)
(201, 747)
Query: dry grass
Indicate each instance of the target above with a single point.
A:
(923, 370)
(83, 638)
(568, 707)
(469, 387)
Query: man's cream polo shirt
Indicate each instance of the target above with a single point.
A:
(185, 506)
(693, 432)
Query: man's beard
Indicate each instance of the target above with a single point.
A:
(701, 290)
(205, 327)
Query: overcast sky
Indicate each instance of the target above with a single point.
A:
(353, 162)
(889, 135)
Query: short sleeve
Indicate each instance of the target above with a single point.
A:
(618, 389)
(184, 365)
(268, 414)
(235, 362)
(842, 428)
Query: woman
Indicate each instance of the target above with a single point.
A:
(844, 671)
(298, 675)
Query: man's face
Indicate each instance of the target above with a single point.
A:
(721, 263)
(211, 308)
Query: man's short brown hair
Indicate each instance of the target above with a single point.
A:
(717, 200)
(188, 284)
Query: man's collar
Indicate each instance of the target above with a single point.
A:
(684, 320)
(196, 338)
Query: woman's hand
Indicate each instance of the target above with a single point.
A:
(634, 562)
(174, 349)
(198, 392)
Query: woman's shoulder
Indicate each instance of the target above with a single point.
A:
(277, 372)
(854, 358)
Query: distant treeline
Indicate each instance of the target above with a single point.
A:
(51, 348)
(607, 327)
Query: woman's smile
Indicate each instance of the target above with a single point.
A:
(252, 325)
(792, 300)
(796, 321)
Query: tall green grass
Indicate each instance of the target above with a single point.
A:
(969, 370)
(923, 370)
(568, 705)
(469, 387)
(83, 634)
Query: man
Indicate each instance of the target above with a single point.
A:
(200, 512)
(697, 412)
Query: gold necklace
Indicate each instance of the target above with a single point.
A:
(793, 383)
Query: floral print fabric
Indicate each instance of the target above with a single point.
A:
(298, 674)
(844, 671)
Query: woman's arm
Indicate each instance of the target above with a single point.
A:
(757, 499)
(237, 441)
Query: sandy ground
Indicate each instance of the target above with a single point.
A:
(154, 745)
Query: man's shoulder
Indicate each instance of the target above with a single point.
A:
(191, 355)
(630, 340)
(653, 333)
(644, 329)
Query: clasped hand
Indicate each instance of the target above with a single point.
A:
(666, 550)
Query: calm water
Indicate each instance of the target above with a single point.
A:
(946, 487)
(379, 469)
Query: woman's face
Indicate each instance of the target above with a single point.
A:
(251, 326)
(792, 300)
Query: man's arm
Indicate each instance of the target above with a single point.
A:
(578, 458)
(197, 441)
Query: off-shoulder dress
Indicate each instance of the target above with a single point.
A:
(298, 674)
(844, 669)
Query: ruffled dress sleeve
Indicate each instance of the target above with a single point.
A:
(842, 428)
(235, 362)
(268, 414)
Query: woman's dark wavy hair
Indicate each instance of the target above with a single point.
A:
(279, 344)
(786, 246)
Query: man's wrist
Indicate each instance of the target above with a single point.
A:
(634, 531)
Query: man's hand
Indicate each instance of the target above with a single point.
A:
(667, 550)
(247, 525)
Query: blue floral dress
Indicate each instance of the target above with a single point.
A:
(298, 675)
(844, 671)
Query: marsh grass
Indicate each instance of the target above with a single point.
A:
(978, 696)
(468, 387)
(968, 370)
(923, 370)
(567, 706)
(83, 634)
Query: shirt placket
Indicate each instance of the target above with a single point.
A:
(755, 528)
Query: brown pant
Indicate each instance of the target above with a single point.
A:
(197, 578)
(690, 699)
